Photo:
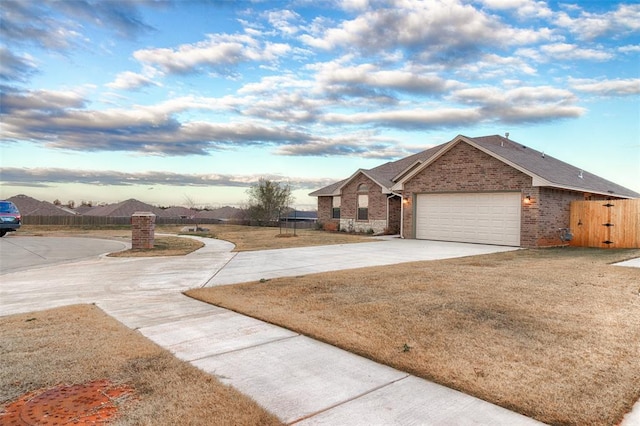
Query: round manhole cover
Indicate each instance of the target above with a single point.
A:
(90, 403)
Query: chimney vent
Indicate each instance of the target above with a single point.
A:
(506, 135)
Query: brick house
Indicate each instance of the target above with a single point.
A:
(489, 190)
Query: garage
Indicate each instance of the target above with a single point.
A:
(485, 217)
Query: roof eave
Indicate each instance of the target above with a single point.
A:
(538, 181)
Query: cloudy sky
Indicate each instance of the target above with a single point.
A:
(167, 100)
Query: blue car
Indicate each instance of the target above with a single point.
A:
(9, 217)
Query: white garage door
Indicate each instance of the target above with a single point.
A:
(486, 218)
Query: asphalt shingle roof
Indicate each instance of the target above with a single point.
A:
(124, 209)
(29, 206)
(553, 172)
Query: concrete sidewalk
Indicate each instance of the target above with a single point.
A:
(300, 380)
(634, 263)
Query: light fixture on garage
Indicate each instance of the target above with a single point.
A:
(527, 199)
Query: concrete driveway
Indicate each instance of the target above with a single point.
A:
(296, 378)
(18, 252)
(256, 265)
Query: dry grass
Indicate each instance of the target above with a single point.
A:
(246, 238)
(552, 334)
(163, 246)
(80, 343)
(249, 238)
(109, 232)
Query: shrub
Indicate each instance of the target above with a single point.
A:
(330, 226)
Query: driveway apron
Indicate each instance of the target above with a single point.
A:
(296, 378)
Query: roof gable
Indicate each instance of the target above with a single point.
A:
(124, 209)
(367, 173)
(383, 175)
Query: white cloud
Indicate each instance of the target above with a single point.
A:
(416, 118)
(128, 80)
(334, 73)
(353, 5)
(284, 21)
(565, 51)
(618, 87)
(59, 120)
(491, 66)
(521, 104)
(525, 8)
(624, 20)
(435, 28)
(218, 51)
(360, 145)
(633, 48)
(43, 176)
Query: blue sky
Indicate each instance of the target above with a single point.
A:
(166, 101)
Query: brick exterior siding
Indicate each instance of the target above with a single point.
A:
(377, 206)
(461, 169)
(467, 169)
(377, 214)
(325, 210)
(393, 227)
(543, 223)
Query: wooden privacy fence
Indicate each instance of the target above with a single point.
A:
(606, 223)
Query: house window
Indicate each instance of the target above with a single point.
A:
(363, 202)
(335, 210)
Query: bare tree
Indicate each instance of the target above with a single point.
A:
(267, 199)
(191, 205)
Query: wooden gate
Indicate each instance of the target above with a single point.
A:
(606, 224)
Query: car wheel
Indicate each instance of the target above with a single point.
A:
(3, 233)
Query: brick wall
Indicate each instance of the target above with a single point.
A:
(377, 206)
(394, 215)
(543, 224)
(325, 209)
(142, 230)
(462, 169)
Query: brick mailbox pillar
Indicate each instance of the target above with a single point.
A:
(142, 230)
